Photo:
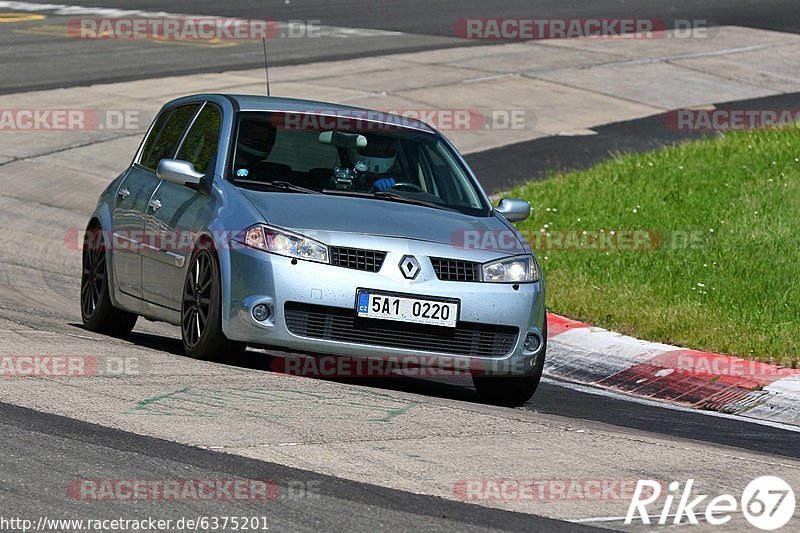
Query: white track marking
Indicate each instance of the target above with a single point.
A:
(653, 517)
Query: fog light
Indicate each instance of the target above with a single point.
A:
(261, 312)
(532, 342)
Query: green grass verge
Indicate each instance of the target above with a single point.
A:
(722, 271)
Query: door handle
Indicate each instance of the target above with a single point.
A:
(155, 204)
(123, 193)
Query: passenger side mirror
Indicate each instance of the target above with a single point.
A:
(178, 171)
(514, 209)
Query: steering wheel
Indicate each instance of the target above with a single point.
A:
(407, 185)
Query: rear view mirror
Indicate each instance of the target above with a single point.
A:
(514, 209)
(178, 171)
(343, 140)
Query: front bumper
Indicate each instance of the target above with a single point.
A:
(486, 309)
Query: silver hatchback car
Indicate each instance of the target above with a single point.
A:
(316, 228)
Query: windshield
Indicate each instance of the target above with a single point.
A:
(375, 161)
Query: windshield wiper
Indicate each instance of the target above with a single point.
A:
(410, 200)
(278, 186)
(389, 196)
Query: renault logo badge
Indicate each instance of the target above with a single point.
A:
(409, 266)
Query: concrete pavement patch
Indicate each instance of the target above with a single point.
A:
(719, 40)
(775, 68)
(656, 84)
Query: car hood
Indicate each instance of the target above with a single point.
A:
(317, 212)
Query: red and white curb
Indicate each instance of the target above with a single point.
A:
(594, 356)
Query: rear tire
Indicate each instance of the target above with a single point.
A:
(201, 310)
(97, 312)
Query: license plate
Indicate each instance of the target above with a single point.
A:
(406, 309)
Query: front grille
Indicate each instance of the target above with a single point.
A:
(455, 269)
(342, 325)
(367, 260)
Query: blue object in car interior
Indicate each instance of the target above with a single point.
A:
(383, 184)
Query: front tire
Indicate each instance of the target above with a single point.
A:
(511, 391)
(505, 390)
(97, 312)
(201, 310)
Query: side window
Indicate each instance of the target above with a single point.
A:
(200, 146)
(155, 131)
(165, 144)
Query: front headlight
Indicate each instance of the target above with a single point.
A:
(518, 269)
(282, 242)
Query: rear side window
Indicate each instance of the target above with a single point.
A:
(200, 145)
(163, 141)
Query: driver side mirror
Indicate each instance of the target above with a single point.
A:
(178, 171)
(514, 209)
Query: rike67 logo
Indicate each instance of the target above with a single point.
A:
(767, 502)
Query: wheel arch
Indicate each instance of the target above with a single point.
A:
(219, 242)
(101, 219)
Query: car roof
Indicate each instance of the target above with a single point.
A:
(248, 102)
